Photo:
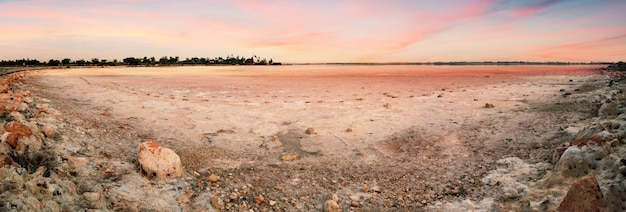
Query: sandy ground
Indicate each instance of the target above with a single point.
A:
(384, 137)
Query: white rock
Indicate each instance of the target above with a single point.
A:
(577, 161)
(94, 200)
(17, 116)
(158, 161)
(331, 206)
(50, 131)
(42, 108)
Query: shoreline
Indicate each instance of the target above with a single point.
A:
(304, 183)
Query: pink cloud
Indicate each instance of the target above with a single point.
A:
(353, 29)
(298, 39)
(528, 11)
(521, 9)
(607, 47)
(29, 13)
(425, 25)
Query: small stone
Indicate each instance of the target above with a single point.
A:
(332, 196)
(6, 107)
(189, 192)
(349, 130)
(17, 116)
(388, 204)
(310, 131)
(217, 203)
(158, 161)
(584, 195)
(440, 95)
(331, 206)
(28, 100)
(260, 199)
(50, 131)
(226, 131)
(182, 199)
(42, 108)
(290, 157)
(213, 178)
(92, 196)
(510, 193)
(354, 204)
(22, 107)
(78, 165)
(387, 105)
(6, 160)
(489, 105)
(106, 113)
(94, 200)
(454, 191)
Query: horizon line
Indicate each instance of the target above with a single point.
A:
(364, 63)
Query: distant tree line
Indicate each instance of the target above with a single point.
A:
(143, 61)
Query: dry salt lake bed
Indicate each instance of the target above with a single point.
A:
(320, 137)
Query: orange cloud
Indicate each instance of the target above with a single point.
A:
(600, 49)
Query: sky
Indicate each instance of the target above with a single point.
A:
(297, 31)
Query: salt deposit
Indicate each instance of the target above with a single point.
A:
(245, 144)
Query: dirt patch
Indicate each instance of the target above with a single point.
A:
(292, 142)
(413, 142)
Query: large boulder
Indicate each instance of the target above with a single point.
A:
(584, 195)
(581, 156)
(156, 161)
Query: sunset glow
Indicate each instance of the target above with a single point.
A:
(317, 31)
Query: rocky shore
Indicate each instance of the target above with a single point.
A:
(51, 161)
(585, 173)
(48, 164)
